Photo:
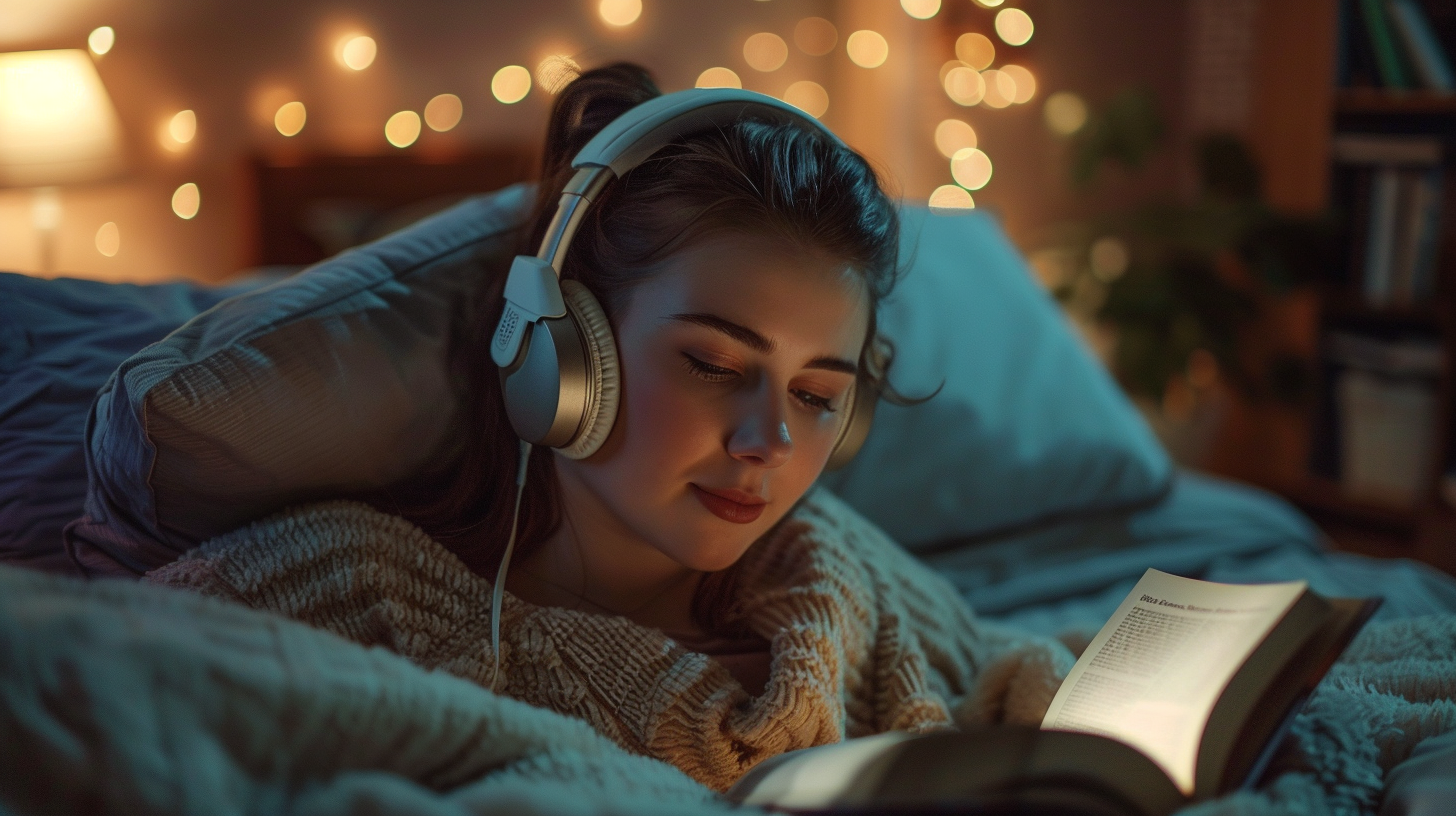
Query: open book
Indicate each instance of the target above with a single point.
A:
(1181, 696)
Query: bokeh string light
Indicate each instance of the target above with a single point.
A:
(186, 201)
(101, 40)
(1000, 89)
(619, 13)
(971, 168)
(948, 199)
(108, 239)
(1025, 82)
(1014, 26)
(356, 51)
(443, 112)
(1065, 113)
(953, 135)
(867, 49)
(402, 129)
(965, 86)
(765, 52)
(718, 78)
(290, 118)
(809, 97)
(178, 131)
(921, 9)
(975, 50)
(511, 84)
(815, 36)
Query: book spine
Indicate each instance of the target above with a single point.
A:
(1423, 278)
(1403, 247)
(1380, 237)
(1387, 57)
(1426, 55)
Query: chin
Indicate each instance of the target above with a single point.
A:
(712, 553)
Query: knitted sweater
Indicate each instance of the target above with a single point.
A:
(863, 638)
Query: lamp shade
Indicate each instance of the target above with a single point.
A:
(57, 125)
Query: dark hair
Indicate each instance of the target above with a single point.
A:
(785, 180)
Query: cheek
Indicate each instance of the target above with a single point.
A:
(665, 418)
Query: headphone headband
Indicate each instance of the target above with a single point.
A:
(645, 129)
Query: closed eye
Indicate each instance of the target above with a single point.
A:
(707, 371)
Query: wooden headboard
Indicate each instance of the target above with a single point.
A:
(311, 207)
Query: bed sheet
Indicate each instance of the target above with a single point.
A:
(1071, 576)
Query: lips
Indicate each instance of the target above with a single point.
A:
(731, 505)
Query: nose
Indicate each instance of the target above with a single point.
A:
(761, 436)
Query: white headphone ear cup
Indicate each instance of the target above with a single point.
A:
(603, 371)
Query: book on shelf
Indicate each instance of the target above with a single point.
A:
(1384, 404)
(1391, 44)
(1395, 214)
(1180, 697)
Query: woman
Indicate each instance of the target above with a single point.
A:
(683, 588)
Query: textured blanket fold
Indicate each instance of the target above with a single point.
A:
(863, 637)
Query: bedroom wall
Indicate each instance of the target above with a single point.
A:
(225, 60)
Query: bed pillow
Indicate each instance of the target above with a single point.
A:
(1028, 428)
(333, 381)
(59, 340)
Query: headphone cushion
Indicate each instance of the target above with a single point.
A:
(605, 375)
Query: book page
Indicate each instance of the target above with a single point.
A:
(1152, 675)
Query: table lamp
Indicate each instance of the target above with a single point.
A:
(57, 126)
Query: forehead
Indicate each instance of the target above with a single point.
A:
(802, 299)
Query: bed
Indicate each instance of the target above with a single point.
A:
(138, 421)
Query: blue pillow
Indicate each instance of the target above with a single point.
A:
(59, 341)
(332, 381)
(1028, 426)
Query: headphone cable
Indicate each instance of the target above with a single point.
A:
(497, 592)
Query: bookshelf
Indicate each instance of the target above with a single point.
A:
(1396, 411)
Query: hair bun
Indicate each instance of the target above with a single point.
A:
(588, 104)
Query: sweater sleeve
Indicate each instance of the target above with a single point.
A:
(930, 646)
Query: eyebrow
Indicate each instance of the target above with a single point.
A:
(758, 342)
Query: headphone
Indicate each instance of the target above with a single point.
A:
(558, 360)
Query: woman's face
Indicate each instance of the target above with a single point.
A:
(737, 362)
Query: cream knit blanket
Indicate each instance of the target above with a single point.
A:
(863, 638)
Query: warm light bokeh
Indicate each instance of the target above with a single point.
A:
(815, 36)
(953, 135)
(867, 49)
(186, 201)
(356, 52)
(921, 9)
(101, 40)
(1109, 258)
(949, 198)
(964, 86)
(809, 97)
(511, 84)
(1025, 82)
(290, 118)
(1000, 89)
(990, 3)
(1065, 113)
(443, 112)
(619, 12)
(402, 129)
(765, 51)
(975, 50)
(179, 130)
(108, 239)
(556, 72)
(1014, 26)
(971, 168)
(718, 78)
